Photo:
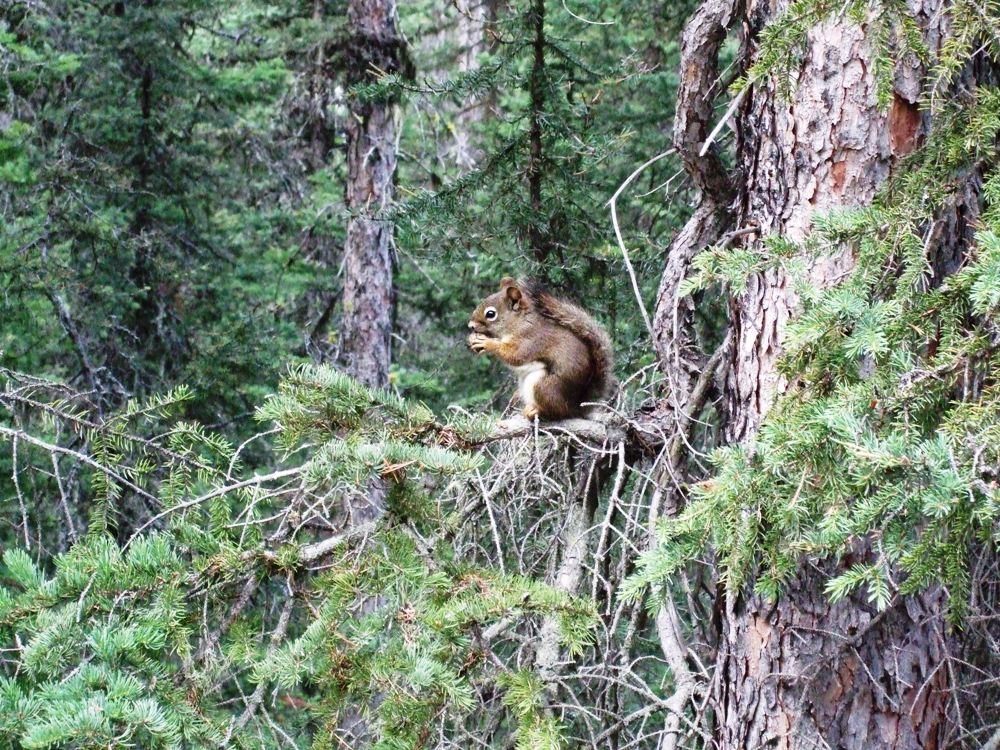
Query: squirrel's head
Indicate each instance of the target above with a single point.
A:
(502, 311)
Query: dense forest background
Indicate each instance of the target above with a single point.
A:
(254, 492)
(177, 210)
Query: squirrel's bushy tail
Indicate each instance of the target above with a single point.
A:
(588, 330)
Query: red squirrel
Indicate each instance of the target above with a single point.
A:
(562, 357)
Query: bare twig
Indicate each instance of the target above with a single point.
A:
(81, 457)
(613, 202)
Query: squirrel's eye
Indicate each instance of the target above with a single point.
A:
(490, 313)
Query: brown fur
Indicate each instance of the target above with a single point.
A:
(563, 355)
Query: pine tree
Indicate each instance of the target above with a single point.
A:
(780, 530)
(375, 45)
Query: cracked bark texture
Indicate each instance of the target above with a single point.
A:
(801, 672)
(375, 46)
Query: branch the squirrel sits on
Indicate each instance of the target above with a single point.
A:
(562, 357)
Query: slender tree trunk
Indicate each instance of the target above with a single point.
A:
(375, 47)
(801, 672)
(690, 374)
(538, 234)
(572, 549)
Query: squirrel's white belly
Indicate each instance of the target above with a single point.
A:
(527, 378)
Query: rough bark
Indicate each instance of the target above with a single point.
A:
(827, 146)
(800, 672)
(375, 47)
(803, 673)
(690, 373)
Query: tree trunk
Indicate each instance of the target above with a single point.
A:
(538, 235)
(828, 146)
(375, 47)
(802, 672)
(572, 550)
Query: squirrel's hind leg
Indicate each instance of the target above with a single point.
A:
(552, 400)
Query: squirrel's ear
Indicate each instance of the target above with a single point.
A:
(513, 296)
(505, 282)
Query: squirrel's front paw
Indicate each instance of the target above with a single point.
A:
(477, 342)
(531, 412)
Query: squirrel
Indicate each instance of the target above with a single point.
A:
(561, 355)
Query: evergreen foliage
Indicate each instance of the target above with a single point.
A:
(174, 205)
(883, 446)
(558, 137)
(143, 641)
(127, 246)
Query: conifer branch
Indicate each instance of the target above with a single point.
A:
(83, 458)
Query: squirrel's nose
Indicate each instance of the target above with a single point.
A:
(472, 324)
